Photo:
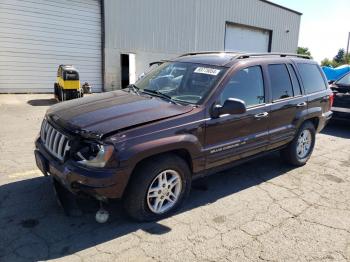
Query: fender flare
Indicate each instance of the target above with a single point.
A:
(139, 152)
(302, 116)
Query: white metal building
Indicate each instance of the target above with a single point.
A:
(113, 40)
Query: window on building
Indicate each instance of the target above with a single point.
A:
(247, 85)
(312, 78)
(281, 85)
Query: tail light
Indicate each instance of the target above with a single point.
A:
(331, 99)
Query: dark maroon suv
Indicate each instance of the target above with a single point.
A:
(189, 117)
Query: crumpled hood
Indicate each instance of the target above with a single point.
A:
(100, 114)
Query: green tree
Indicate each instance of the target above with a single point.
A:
(339, 58)
(304, 51)
(326, 62)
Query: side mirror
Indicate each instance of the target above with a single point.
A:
(231, 106)
(331, 82)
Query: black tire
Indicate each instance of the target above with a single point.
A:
(59, 93)
(55, 91)
(135, 200)
(64, 95)
(290, 154)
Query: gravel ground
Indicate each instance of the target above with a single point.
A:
(260, 211)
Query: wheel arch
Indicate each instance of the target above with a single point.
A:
(185, 146)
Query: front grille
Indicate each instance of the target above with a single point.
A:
(54, 141)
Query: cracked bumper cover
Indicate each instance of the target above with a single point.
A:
(96, 182)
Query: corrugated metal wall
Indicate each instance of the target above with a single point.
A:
(157, 29)
(36, 36)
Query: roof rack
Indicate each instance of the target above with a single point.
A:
(240, 55)
(211, 52)
(248, 55)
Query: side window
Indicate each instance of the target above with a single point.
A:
(312, 78)
(295, 81)
(281, 86)
(247, 85)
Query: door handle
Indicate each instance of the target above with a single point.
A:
(261, 115)
(302, 104)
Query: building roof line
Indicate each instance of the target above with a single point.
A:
(280, 6)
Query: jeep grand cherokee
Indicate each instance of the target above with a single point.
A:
(189, 117)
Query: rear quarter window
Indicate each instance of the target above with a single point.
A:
(312, 78)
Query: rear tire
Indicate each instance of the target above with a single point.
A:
(64, 95)
(55, 91)
(157, 188)
(299, 151)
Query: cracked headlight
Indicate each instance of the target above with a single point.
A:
(95, 155)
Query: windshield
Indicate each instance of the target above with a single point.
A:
(183, 82)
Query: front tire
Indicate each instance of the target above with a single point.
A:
(157, 188)
(299, 151)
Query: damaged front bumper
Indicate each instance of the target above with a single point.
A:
(100, 183)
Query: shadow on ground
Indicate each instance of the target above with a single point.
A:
(33, 227)
(42, 102)
(337, 128)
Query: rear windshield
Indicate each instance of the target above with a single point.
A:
(312, 78)
(184, 82)
(70, 75)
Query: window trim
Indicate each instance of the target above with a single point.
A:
(296, 77)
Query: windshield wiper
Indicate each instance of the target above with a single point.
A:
(134, 88)
(160, 94)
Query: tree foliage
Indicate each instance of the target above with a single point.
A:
(340, 59)
(327, 62)
(304, 51)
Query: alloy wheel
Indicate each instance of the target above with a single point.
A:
(164, 191)
(304, 143)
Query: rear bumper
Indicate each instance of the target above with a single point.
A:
(324, 119)
(98, 183)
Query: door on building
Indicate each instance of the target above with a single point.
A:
(128, 69)
(37, 36)
(247, 39)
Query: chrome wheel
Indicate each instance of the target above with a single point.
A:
(164, 191)
(304, 143)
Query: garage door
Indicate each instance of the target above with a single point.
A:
(246, 39)
(36, 36)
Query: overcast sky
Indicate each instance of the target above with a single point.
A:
(325, 25)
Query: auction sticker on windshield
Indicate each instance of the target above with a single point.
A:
(207, 71)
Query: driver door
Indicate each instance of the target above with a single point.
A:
(232, 137)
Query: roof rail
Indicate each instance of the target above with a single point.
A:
(242, 56)
(210, 52)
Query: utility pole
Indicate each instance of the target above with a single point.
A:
(347, 50)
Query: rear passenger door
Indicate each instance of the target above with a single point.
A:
(287, 103)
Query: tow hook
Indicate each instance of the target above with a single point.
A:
(102, 215)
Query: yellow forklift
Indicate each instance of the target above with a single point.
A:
(67, 86)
